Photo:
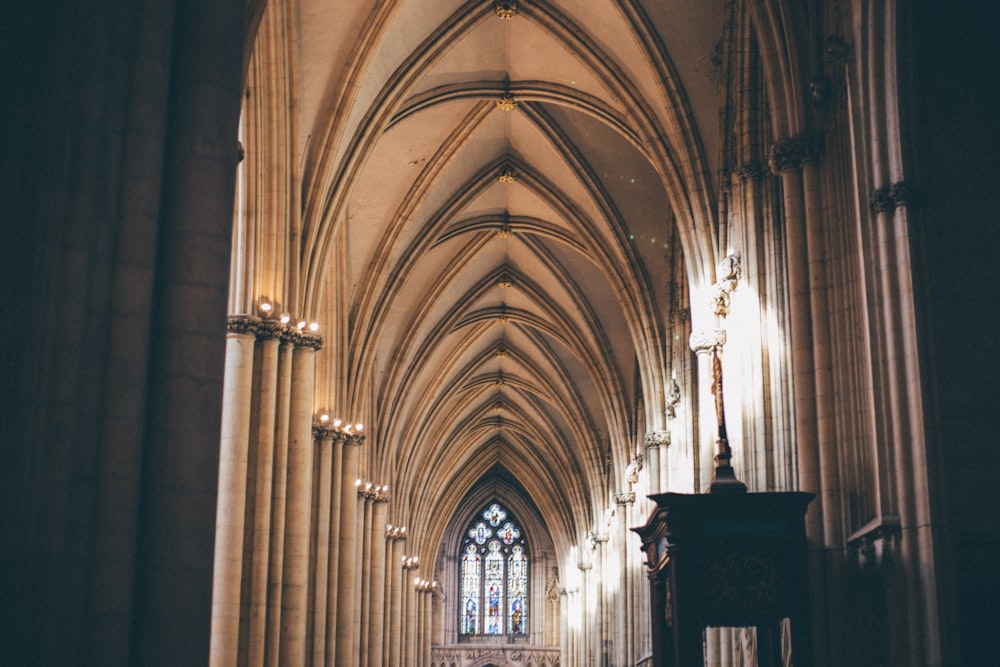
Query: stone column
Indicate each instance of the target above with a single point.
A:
(428, 622)
(624, 652)
(786, 160)
(279, 503)
(172, 603)
(391, 535)
(333, 578)
(563, 620)
(418, 604)
(376, 621)
(586, 651)
(230, 511)
(409, 626)
(365, 564)
(263, 477)
(600, 643)
(298, 508)
(653, 463)
(346, 601)
(393, 629)
(324, 441)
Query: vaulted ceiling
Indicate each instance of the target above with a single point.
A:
(503, 194)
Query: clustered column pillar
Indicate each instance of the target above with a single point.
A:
(625, 643)
(809, 338)
(260, 594)
(347, 567)
(381, 534)
(653, 440)
(273, 391)
(230, 514)
(325, 436)
(409, 625)
(298, 508)
(585, 650)
(600, 642)
(394, 628)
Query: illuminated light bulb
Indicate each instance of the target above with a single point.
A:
(314, 326)
(349, 427)
(285, 318)
(265, 306)
(359, 427)
(301, 324)
(357, 482)
(324, 417)
(368, 486)
(386, 488)
(336, 422)
(388, 526)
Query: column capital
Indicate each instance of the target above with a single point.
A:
(789, 154)
(598, 538)
(751, 170)
(705, 342)
(372, 492)
(302, 338)
(625, 498)
(657, 438)
(890, 197)
(584, 567)
(270, 329)
(323, 432)
(242, 324)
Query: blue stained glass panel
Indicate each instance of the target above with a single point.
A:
(471, 579)
(508, 533)
(517, 591)
(480, 533)
(494, 589)
(494, 514)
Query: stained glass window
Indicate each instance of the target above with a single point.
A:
(517, 590)
(471, 578)
(494, 576)
(494, 589)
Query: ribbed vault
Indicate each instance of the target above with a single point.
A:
(490, 222)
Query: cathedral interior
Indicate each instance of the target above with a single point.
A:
(360, 333)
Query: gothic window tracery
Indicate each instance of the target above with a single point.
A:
(494, 576)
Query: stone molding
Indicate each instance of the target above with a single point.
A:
(507, 103)
(326, 432)
(790, 154)
(625, 498)
(271, 329)
(657, 438)
(752, 171)
(505, 9)
(473, 656)
(887, 199)
(707, 341)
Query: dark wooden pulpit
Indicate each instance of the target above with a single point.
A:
(727, 559)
